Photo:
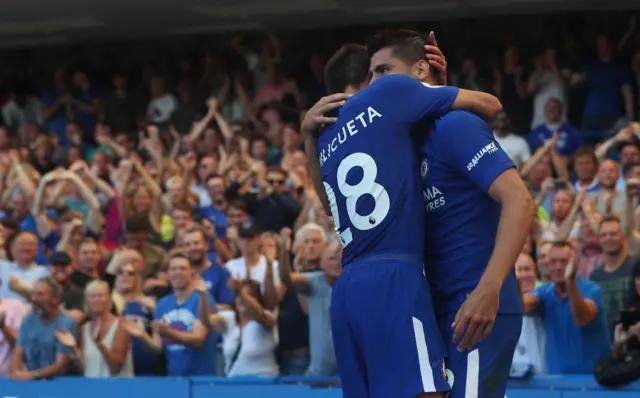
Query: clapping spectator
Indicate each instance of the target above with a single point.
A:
(177, 327)
(515, 146)
(317, 287)
(104, 346)
(569, 138)
(38, 354)
(572, 312)
(248, 338)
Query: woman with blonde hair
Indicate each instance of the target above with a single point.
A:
(133, 305)
(104, 348)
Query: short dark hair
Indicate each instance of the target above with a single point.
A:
(179, 254)
(237, 203)
(586, 151)
(628, 168)
(626, 143)
(137, 224)
(349, 66)
(408, 45)
(561, 244)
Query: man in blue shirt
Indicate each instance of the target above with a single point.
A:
(478, 215)
(572, 311)
(38, 354)
(368, 170)
(177, 327)
(569, 138)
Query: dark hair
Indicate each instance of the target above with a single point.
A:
(261, 138)
(628, 168)
(632, 142)
(407, 45)
(586, 151)
(182, 206)
(276, 169)
(349, 66)
(137, 224)
(237, 204)
(10, 223)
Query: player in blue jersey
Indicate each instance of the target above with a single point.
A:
(478, 214)
(385, 334)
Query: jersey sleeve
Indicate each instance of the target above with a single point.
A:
(468, 145)
(412, 101)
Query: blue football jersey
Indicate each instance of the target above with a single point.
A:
(461, 159)
(370, 166)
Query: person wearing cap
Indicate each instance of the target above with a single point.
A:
(72, 295)
(253, 264)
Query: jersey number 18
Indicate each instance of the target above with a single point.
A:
(352, 193)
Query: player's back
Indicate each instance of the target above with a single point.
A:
(371, 174)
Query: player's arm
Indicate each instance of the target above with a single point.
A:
(411, 101)
(310, 128)
(487, 106)
(315, 171)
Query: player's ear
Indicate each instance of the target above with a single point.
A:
(421, 70)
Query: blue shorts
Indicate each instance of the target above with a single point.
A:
(385, 334)
(484, 371)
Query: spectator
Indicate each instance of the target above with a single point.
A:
(569, 138)
(253, 265)
(11, 314)
(546, 83)
(137, 233)
(572, 312)
(317, 287)
(87, 263)
(585, 165)
(247, 333)
(177, 327)
(38, 354)
(162, 104)
(137, 308)
(562, 224)
(515, 146)
(530, 349)
(270, 208)
(216, 211)
(104, 346)
(614, 276)
(214, 276)
(72, 296)
(607, 82)
(19, 276)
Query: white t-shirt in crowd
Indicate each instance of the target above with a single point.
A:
(549, 86)
(238, 269)
(27, 276)
(160, 109)
(257, 355)
(531, 345)
(516, 148)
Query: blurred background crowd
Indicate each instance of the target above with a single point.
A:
(158, 217)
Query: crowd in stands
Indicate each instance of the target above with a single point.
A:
(166, 224)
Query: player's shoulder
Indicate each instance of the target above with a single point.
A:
(459, 123)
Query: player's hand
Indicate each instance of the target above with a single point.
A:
(475, 318)
(436, 59)
(315, 117)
